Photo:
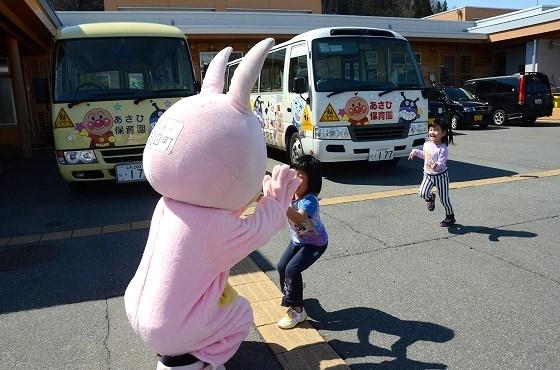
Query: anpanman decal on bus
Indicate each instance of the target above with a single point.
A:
(329, 115)
(62, 120)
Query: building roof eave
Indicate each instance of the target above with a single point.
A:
(224, 23)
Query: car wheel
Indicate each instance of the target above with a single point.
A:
(499, 117)
(455, 122)
(296, 148)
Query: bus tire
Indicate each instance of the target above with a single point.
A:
(295, 149)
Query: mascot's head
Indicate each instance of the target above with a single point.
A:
(209, 149)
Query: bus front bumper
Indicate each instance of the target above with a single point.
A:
(347, 150)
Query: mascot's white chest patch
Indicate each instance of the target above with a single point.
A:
(164, 136)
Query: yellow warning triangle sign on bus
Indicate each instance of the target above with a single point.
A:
(306, 124)
(329, 115)
(62, 120)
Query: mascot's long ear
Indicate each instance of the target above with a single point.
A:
(246, 74)
(214, 77)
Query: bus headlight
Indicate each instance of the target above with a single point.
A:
(79, 157)
(331, 133)
(418, 128)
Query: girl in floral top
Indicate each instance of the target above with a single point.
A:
(434, 155)
(308, 239)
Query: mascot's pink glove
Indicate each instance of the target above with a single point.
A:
(281, 185)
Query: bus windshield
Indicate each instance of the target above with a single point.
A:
(364, 63)
(94, 69)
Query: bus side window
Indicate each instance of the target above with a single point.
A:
(229, 75)
(272, 71)
(298, 68)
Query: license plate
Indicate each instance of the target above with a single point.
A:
(478, 117)
(380, 154)
(130, 172)
(538, 101)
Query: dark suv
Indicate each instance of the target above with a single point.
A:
(461, 107)
(521, 96)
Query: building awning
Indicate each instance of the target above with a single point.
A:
(274, 23)
(32, 22)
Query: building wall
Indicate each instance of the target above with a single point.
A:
(548, 52)
(469, 14)
(433, 55)
(310, 6)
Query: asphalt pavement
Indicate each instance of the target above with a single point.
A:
(393, 290)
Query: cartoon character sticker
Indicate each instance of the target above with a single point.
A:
(258, 110)
(357, 110)
(298, 103)
(408, 110)
(97, 125)
(154, 117)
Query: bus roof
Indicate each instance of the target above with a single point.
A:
(110, 29)
(346, 31)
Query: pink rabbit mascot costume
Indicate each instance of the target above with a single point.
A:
(206, 156)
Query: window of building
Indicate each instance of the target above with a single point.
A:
(7, 104)
(207, 56)
(418, 57)
(447, 70)
(465, 69)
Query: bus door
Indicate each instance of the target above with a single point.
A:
(298, 120)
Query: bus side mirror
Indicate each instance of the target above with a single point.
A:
(40, 89)
(300, 85)
(197, 86)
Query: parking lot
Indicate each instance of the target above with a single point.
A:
(393, 290)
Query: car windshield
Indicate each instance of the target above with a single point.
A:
(364, 63)
(458, 94)
(121, 68)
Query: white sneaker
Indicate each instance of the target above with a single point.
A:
(292, 318)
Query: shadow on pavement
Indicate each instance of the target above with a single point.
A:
(405, 173)
(367, 320)
(253, 356)
(493, 233)
(35, 199)
(69, 271)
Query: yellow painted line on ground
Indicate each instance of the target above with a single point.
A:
(76, 233)
(299, 348)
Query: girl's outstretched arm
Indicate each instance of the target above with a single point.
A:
(416, 153)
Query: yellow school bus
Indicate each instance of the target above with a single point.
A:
(110, 84)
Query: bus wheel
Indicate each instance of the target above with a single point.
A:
(499, 117)
(296, 148)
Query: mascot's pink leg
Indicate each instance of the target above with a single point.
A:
(235, 321)
(231, 325)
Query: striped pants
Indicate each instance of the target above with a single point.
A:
(441, 182)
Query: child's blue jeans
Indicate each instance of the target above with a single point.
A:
(296, 259)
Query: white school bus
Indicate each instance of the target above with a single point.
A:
(341, 94)
(110, 84)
